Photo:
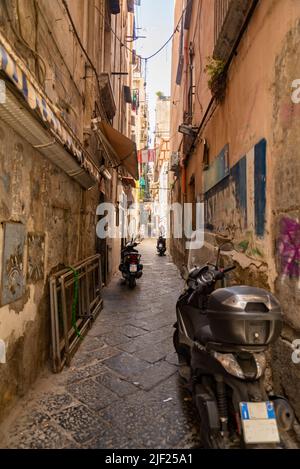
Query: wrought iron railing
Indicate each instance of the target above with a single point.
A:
(221, 9)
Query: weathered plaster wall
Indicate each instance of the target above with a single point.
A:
(257, 107)
(59, 218)
(45, 201)
(286, 206)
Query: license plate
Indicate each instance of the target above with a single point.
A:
(133, 268)
(259, 422)
(160, 245)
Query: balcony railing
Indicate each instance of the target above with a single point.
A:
(230, 16)
(221, 9)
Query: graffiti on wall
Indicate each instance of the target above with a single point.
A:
(13, 281)
(35, 263)
(289, 247)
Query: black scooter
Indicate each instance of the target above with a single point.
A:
(161, 245)
(130, 266)
(221, 336)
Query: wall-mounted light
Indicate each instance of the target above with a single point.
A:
(105, 173)
(188, 130)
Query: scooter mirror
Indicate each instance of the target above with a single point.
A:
(224, 247)
(222, 239)
(228, 246)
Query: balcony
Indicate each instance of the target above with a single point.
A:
(230, 15)
(107, 96)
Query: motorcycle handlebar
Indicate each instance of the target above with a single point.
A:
(220, 273)
(228, 269)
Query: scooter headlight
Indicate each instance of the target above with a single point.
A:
(230, 364)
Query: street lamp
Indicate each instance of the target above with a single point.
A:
(188, 130)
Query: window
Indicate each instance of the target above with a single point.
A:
(114, 6)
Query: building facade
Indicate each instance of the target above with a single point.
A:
(160, 185)
(235, 93)
(65, 126)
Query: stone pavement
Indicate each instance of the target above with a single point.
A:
(122, 389)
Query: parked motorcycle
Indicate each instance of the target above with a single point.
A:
(161, 245)
(221, 338)
(131, 267)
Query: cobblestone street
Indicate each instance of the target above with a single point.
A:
(122, 389)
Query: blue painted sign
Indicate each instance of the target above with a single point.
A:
(260, 187)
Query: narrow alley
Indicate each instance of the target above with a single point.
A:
(122, 389)
(149, 226)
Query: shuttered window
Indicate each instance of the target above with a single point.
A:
(180, 56)
(127, 94)
(114, 6)
(188, 14)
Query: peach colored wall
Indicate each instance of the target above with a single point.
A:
(246, 114)
(257, 105)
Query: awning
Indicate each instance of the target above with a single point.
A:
(120, 148)
(27, 109)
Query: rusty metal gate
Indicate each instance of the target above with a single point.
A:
(75, 299)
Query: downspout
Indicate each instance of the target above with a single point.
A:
(184, 158)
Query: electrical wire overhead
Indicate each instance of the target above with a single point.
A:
(161, 48)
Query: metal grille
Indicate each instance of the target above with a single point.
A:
(221, 9)
(65, 339)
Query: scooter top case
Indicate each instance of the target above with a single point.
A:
(243, 315)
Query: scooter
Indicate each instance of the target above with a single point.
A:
(221, 338)
(161, 245)
(130, 266)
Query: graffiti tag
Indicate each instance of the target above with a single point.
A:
(289, 247)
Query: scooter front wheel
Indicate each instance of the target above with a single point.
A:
(181, 350)
(132, 282)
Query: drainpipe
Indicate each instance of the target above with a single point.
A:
(183, 160)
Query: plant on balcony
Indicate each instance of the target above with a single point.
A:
(215, 69)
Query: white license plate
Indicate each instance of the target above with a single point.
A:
(160, 246)
(259, 422)
(133, 268)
